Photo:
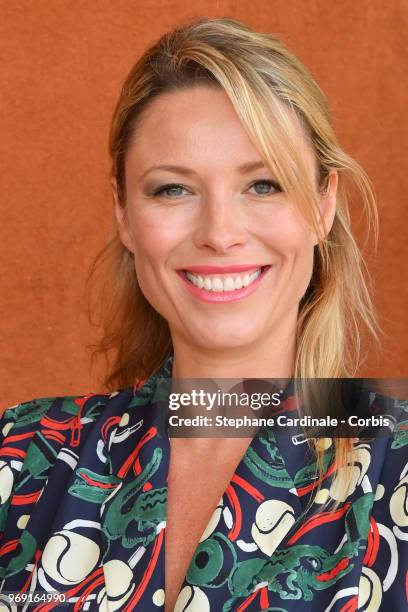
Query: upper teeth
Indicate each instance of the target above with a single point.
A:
(223, 284)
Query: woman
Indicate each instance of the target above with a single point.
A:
(233, 257)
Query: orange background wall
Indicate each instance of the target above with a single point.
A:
(63, 62)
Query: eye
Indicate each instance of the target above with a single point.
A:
(315, 563)
(171, 190)
(266, 187)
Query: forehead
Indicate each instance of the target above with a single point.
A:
(196, 125)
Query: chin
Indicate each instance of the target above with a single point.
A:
(224, 337)
(221, 343)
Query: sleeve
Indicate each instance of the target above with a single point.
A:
(384, 581)
(18, 425)
(41, 442)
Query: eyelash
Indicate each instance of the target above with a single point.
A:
(160, 191)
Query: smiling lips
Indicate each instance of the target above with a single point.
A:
(223, 283)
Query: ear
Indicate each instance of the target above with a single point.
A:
(328, 200)
(121, 218)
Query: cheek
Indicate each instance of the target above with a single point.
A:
(154, 236)
(291, 243)
(153, 240)
(286, 233)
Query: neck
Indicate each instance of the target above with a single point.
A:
(266, 359)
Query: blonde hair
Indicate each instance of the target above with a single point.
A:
(261, 78)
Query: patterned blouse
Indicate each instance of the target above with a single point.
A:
(83, 484)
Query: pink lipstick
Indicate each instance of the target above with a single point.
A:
(218, 295)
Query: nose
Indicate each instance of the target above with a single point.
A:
(220, 226)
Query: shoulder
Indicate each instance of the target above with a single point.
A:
(50, 436)
(59, 457)
(62, 418)
(70, 420)
(59, 412)
(389, 445)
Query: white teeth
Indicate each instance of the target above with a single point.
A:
(246, 280)
(229, 284)
(207, 283)
(218, 284)
(238, 283)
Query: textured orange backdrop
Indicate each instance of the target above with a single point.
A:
(62, 67)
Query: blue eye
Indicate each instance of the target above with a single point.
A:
(266, 187)
(263, 187)
(172, 190)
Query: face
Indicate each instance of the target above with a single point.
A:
(220, 251)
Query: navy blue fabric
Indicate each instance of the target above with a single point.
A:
(83, 484)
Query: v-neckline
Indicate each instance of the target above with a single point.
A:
(161, 389)
(226, 493)
(152, 455)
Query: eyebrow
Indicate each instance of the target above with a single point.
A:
(244, 169)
